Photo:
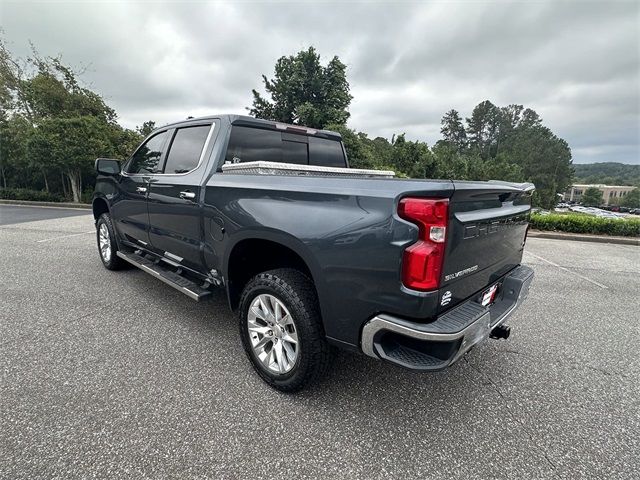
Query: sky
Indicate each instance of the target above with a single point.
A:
(576, 63)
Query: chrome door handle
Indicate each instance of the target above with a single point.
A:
(141, 189)
(187, 195)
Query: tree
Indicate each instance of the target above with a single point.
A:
(413, 159)
(14, 132)
(72, 144)
(453, 131)
(631, 199)
(356, 145)
(305, 92)
(592, 197)
(449, 162)
(146, 128)
(483, 128)
(607, 173)
(47, 118)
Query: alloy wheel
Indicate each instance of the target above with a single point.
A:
(273, 334)
(104, 242)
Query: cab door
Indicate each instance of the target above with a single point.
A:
(175, 217)
(129, 210)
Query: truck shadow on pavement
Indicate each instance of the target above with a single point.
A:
(367, 379)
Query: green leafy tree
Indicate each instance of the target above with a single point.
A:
(146, 128)
(305, 92)
(607, 173)
(14, 132)
(356, 145)
(592, 197)
(631, 199)
(483, 127)
(530, 119)
(46, 119)
(449, 162)
(412, 158)
(544, 158)
(72, 144)
(453, 131)
(122, 142)
(54, 91)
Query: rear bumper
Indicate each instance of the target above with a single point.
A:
(436, 345)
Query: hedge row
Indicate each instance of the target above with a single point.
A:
(586, 224)
(33, 195)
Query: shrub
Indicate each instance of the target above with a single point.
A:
(26, 194)
(575, 223)
(87, 195)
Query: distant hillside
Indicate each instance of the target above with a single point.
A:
(608, 173)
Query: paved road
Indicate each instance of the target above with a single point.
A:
(10, 214)
(116, 375)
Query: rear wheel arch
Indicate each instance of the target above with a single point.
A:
(252, 255)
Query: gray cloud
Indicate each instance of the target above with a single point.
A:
(576, 63)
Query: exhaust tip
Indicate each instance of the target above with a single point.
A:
(501, 332)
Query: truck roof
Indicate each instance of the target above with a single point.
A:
(247, 120)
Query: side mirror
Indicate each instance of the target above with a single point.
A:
(107, 166)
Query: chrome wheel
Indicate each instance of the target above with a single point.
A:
(104, 242)
(273, 334)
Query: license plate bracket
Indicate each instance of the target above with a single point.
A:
(489, 295)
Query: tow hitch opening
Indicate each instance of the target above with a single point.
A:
(501, 331)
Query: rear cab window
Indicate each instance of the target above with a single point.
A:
(186, 149)
(249, 144)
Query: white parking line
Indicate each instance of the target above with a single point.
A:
(64, 236)
(567, 270)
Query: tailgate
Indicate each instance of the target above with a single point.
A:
(485, 239)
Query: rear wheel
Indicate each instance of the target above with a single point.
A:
(281, 329)
(107, 245)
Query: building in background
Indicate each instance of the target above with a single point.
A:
(609, 192)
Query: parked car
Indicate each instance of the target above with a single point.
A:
(311, 253)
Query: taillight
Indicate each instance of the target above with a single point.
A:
(422, 261)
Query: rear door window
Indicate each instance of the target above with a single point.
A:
(186, 149)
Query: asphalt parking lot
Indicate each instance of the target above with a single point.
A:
(11, 214)
(116, 375)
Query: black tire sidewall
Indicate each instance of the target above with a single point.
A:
(305, 314)
(113, 263)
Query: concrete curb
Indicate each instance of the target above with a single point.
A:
(45, 204)
(581, 237)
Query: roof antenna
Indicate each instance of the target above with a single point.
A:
(189, 117)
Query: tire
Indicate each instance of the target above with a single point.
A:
(296, 293)
(108, 255)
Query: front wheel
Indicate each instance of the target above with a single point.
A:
(107, 245)
(281, 329)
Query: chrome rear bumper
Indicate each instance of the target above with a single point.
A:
(436, 345)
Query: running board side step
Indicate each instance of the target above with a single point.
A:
(180, 283)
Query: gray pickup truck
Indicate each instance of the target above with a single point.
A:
(313, 254)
